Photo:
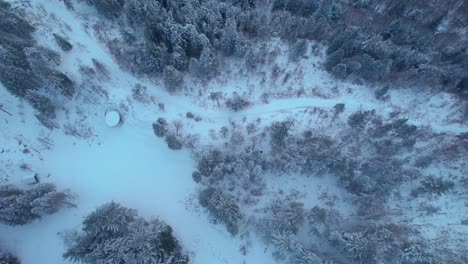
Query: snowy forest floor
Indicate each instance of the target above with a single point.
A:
(130, 165)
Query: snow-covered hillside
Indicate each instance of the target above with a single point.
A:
(128, 164)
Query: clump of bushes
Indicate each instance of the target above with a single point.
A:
(160, 127)
(173, 142)
(139, 93)
(237, 103)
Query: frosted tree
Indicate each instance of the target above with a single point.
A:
(283, 240)
(15, 71)
(207, 62)
(141, 12)
(416, 253)
(109, 220)
(286, 244)
(298, 50)
(159, 130)
(147, 242)
(173, 142)
(8, 258)
(19, 207)
(278, 133)
(108, 8)
(115, 234)
(209, 160)
(231, 42)
(305, 256)
(50, 203)
(173, 79)
(13, 24)
(215, 96)
(237, 102)
(222, 208)
(287, 216)
(340, 71)
(436, 185)
(356, 244)
(64, 44)
(359, 119)
(334, 59)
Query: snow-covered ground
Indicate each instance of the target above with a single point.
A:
(130, 165)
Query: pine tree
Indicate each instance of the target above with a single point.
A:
(115, 234)
(231, 42)
(19, 207)
(111, 9)
(109, 220)
(279, 133)
(173, 79)
(437, 185)
(287, 216)
(356, 244)
(222, 208)
(416, 253)
(63, 43)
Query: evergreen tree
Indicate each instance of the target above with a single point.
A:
(63, 43)
(231, 42)
(19, 207)
(109, 8)
(437, 185)
(278, 134)
(173, 79)
(115, 234)
(222, 208)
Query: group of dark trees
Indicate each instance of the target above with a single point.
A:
(27, 70)
(178, 36)
(369, 157)
(116, 234)
(399, 44)
(395, 42)
(8, 258)
(334, 239)
(22, 206)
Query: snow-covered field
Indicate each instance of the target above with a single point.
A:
(130, 165)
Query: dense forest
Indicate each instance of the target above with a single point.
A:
(398, 43)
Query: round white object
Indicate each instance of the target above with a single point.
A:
(112, 118)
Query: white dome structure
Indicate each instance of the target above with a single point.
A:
(112, 118)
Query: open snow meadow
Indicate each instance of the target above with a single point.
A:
(233, 131)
